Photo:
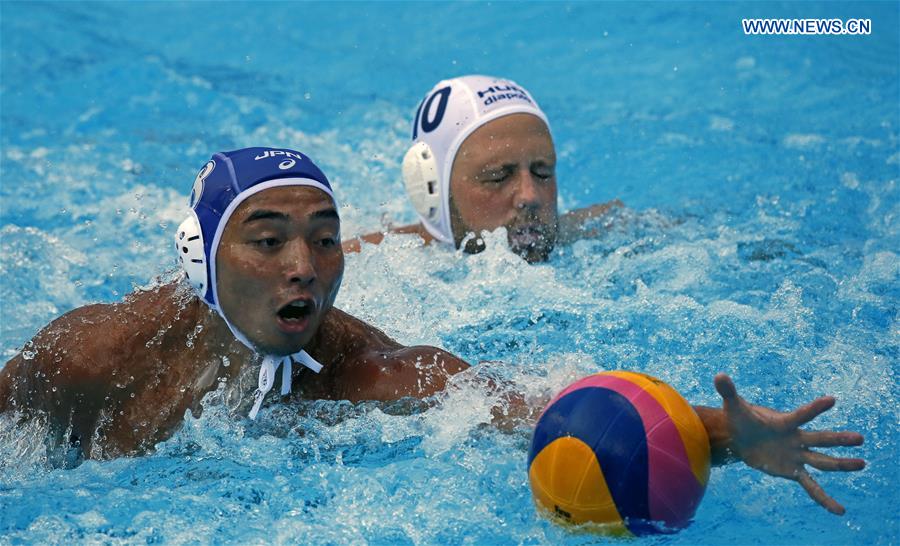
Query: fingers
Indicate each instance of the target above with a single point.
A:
(831, 464)
(818, 494)
(807, 413)
(827, 438)
(725, 387)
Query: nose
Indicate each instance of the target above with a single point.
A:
(527, 194)
(299, 266)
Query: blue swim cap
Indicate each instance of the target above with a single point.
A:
(220, 187)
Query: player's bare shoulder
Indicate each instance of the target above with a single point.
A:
(106, 336)
(89, 347)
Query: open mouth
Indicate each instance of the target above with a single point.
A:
(532, 242)
(527, 237)
(294, 316)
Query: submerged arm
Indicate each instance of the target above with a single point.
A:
(573, 224)
(355, 244)
(367, 365)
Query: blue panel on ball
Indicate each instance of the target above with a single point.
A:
(606, 421)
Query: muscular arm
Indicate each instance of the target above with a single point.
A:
(61, 375)
(94, 372)
(363, 363)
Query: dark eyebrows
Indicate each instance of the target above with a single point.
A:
(265, 215)
(328, 213)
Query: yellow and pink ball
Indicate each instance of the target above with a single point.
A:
(620, 449)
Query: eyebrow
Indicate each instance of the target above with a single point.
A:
(515, 164)
(490, 169)
(264, 214)
(325, 213)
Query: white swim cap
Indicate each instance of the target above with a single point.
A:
(450, 112)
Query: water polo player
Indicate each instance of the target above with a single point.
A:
(483, 158)
(261, 251)
(263, 263)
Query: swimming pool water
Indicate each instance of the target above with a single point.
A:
(761, 239)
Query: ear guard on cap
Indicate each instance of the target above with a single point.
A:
(420, 173)
(189, 243)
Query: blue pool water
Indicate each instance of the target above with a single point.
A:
(761, 239)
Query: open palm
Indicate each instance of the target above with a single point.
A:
(773, 442)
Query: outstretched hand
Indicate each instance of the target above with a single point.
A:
(773, 442)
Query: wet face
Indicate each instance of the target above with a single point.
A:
(504, 175)
(279, 266)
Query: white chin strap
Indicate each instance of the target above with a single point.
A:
(270, 365)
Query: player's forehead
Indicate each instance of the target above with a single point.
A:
(512, 135)
(295, 203)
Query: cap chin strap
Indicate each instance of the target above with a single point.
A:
(270, 365)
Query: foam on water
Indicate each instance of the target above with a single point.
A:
(760, 239)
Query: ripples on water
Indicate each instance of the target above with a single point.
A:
(761, 240)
